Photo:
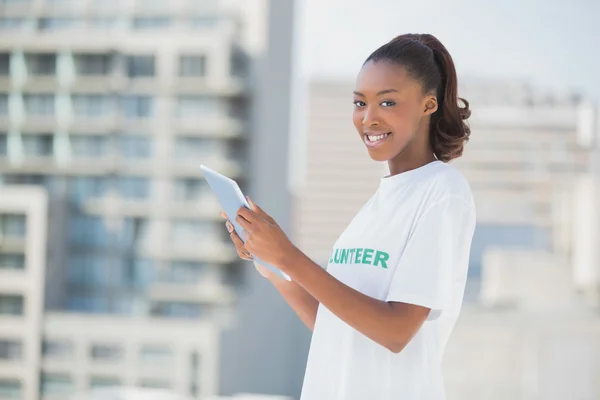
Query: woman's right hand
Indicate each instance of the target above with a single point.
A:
(241, 249)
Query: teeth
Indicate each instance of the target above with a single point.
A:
(376, 138)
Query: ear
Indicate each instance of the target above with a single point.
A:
(430, 105)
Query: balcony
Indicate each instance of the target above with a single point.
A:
(11, 244)
(207, 207)
(230, 87)
(100, 84)
(191, 168)
(41, 84)
(216, 126)
(216, 252)
(206, 292)
(95, 125)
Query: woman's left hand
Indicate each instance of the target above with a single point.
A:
(264, 238)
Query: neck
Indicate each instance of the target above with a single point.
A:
(418, 152)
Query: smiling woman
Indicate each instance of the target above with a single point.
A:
(383, 310)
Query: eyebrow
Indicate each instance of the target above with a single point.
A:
(386, 91)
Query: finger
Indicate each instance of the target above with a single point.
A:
(229, 226)
(244, 223)
(247, 213)
(257, 209)
(239, 247)
(224, 215)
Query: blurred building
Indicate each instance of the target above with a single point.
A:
(111, 107)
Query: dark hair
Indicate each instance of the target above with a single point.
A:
(427, 60)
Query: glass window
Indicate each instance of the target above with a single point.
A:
(93, 105)
(10, 389)
(56, 384)
(188, 189)
(38, 145)
(177, 310)
(89, 146)
(187, 233)
(88, 231)
(87, 303)
(106, 352)
(56, 24)
(102, 22)
(11, 23)
(184, 272)
(88, 269)
(11, 349)
(11, 304)
(41, 64)
(197, 148)
(3, 144)
(206, 22)
(140, 66)
(93, 64)
(136, 146)
(104, 382)
(4, 63)
(196, 106)
(151, 23)
(60, 349)
(84, 187)
(3, 104)
(192, 65)
(137, 272)
(153, 354)
(40, 105)
(12, 261)
(138, 106)
(134, 187)
(13, 225)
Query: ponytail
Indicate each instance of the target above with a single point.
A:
(427, 60)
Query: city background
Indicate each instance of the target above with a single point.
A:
(117, 276)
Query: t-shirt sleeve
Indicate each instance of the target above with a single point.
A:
(437, 252)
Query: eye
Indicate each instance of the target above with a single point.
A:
(359, 103)
(388, 103)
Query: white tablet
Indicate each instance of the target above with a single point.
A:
(231, 198)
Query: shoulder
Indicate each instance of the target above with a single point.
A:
(446, 184)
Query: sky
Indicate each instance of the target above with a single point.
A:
(553, 44)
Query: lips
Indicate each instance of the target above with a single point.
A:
(375, 139)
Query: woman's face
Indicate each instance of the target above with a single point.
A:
(389, 109)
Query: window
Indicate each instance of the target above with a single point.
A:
(106, 352)
(56, 24)
(4, 63)
(140, 66)
(136, 146)
(10, 389)
(38, 145)
(88, 269)
(11, 304)
(151, 23)
(192, 66)
(155, 384)
(11, 349)
(85, 187)
(137, 273)
(40, 105)
(93, 105)
(12, 261)
(87, 303)
(102, 22)
(3, 144)
(194, 373)
(56, 384)
(152, 354)
(13, 225)
(176, 310)
(184, 272)
(87, 231)
(41, 64)
(199, 106)
(11, 23)
(93, 64)
(104, 382)
(3, 104)
(239, 62)
(204, 22)
(189, 189)
(188, 233)
(138, 106)
(89, 146)
(134, 187)
(58, 349)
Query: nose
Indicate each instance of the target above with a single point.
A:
(370, 117)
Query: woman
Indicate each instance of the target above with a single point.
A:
(383, 309)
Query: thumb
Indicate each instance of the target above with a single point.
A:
(256, 208)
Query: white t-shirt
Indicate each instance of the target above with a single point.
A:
(409, 243)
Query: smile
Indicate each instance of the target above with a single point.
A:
(375, 140)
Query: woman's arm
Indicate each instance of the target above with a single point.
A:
(302, 302)
(390, 324)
